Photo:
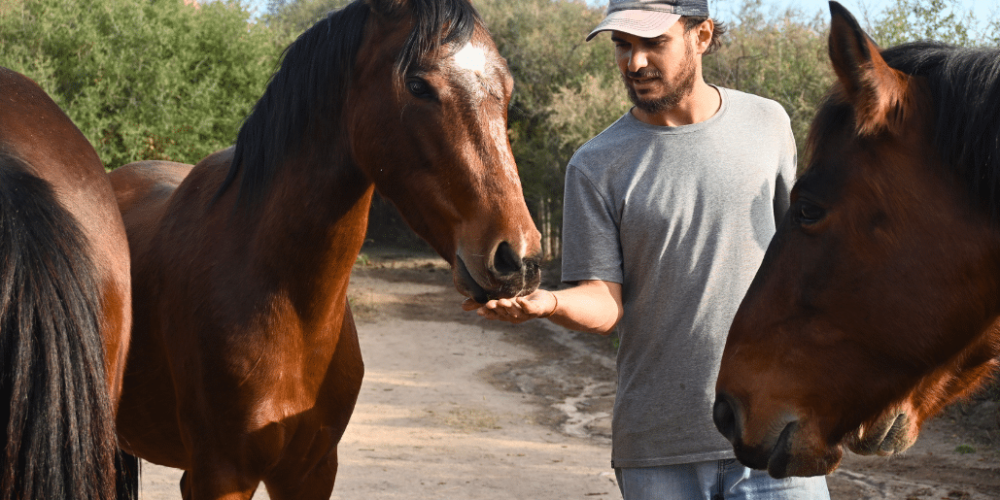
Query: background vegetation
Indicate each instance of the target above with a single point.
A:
(169, 79)
(142, 79)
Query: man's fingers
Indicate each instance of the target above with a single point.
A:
(499, 309)
(508, 304)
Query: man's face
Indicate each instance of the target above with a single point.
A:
(658, 72)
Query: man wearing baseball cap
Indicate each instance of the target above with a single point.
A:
(667, 214)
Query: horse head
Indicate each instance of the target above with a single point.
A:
(411, 96)
(877, 300)
(430, 129)
(432, 135)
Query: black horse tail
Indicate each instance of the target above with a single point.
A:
(58, 438)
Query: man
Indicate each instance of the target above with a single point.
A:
(667, 215)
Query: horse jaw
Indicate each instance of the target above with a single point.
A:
(893, 432)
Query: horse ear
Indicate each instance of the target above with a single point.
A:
(874, 89)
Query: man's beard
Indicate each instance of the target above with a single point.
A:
(683, 88)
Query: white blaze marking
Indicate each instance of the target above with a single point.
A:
(471, 58)
(498, 132)
(473, 62)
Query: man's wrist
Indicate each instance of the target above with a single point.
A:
(554, 307)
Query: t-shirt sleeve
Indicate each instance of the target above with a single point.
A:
(591, 248)
(786, 178)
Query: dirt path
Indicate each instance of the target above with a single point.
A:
(454, 407)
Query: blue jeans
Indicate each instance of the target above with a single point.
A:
(715, 480)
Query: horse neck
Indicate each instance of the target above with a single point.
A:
(311, 230)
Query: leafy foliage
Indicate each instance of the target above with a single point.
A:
(143, 79)
(779, 56)
(159, 79)
(289, 18)
(910, 20)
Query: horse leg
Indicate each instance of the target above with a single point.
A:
(215, 485)
(291, 481)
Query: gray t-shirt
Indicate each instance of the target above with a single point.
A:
(680, 216)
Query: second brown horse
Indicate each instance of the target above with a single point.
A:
(878, 300)
(245, 364)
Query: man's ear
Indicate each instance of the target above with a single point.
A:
(704, 35)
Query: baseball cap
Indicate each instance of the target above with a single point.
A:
(648, 18)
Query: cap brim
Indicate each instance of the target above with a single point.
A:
(641, 23)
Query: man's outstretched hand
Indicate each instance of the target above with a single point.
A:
(538, 304)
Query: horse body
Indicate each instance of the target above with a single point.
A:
(245, 364)
(65, 302)
(257, 324)
(878, 302)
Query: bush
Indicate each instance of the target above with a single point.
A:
(143, 80)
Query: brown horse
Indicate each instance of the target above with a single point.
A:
(245, 364)
(878, 302)
(65, 313)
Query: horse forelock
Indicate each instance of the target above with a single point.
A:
(436, 23)
(314, 75)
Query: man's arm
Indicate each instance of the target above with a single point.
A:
(590, 306)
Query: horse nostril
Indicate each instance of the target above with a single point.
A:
(725, 417)
(505, 260)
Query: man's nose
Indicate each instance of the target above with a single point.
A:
(637, 60)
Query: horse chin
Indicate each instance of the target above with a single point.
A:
(796, 454)
(466, 284)
(795, 451)
(888, 435)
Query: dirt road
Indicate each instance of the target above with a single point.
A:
(454, 407)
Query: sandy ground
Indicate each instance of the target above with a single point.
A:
(454, 407)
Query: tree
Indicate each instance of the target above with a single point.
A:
(290, 18)
(912, 20)
(143, 79)
(780, 56)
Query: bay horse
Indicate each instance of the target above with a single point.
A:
(878, 301)
(65, 305)
(245, 365)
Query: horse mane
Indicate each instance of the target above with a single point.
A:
(315, 74)
(964, 84)
(965, 88)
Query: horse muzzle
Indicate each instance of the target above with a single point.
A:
(786, 447)
(504, 274)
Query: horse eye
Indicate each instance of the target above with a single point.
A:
(807, 213)
(420, 88)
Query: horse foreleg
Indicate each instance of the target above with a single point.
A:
(213, 485)
(290, 481)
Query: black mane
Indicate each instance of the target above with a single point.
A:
(314, 76)
(965, 88)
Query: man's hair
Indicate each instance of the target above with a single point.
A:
(692, 22)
